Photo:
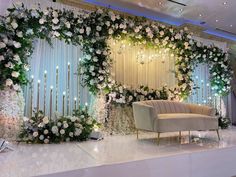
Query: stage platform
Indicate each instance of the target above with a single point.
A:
(125, 156)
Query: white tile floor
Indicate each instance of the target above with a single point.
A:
(125, 155)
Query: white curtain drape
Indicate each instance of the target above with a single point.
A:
(136, 65)
(47, 58)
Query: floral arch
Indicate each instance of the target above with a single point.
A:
(92, 30)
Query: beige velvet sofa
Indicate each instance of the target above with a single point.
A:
(170, 116)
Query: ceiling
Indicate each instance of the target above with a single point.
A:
(216, 17)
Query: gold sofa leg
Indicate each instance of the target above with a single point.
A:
(217, 131)
(180, 136)
(189, 136)
(158, 138)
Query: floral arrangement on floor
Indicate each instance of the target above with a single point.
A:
(126, 96)
(92, 30)
(41, 129)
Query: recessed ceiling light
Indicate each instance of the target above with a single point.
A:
(217, 20)
(224, 3)
(231, 25)
(160, 3)
(200, 15)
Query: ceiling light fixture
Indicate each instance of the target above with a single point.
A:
(224, 3)
(217, 20)
(200, 15)
(180, 10)
(231, 25)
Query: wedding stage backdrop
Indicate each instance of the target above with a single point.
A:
(164, 68)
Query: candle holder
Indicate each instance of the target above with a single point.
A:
(75, 103)
(38, 95)
(63, 103)
(45, 92)
(68, 88)
(57, 79)
(31, 94)
(51, 89)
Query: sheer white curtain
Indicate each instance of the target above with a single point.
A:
(47, 58)
(135, 66)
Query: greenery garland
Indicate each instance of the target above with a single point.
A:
(92, 30)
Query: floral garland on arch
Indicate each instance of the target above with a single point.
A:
(92, 31)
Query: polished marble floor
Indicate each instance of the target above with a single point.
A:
(33, 160)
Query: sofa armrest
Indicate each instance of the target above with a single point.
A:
(200, 109)
(144, 116)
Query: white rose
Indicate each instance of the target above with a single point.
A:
(81, 31)
(98, 52)
(95, 59)
(113, 17)
(65, 125)
(35, 134)
(156, 41)
(77, 132)
(80, 21)
(62, 131)
(162, 33)
(16, 57)
(41, 137)
(45, 12)
(19, 34)
(1, 58)
(98, 28)
(54, 129)
(110, 31)
(26, 67)
(14, 24)
(42, 21)
(55, 33)
(45, 120)
(45, 132)
(108, 23)
(67, 24)
(16, 44)
(46, 141)
(55, 14)
(16, 87)
(88, 30)
(15, 74)
(71, 134)
(148, 29)
(55, 20)
(9, 82)
(73, 119)
(2, 45)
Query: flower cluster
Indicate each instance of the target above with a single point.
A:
(92, 31)
(41, 129)
(126, 96)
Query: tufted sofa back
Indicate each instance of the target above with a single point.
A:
(166, 106)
